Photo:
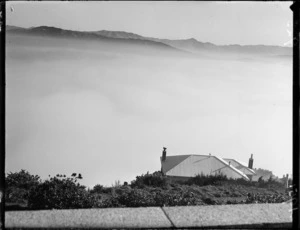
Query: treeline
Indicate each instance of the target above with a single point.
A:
(26, 191)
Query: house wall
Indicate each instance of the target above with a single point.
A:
(208, 165)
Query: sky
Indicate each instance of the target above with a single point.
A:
(68, 113)
(244, 23)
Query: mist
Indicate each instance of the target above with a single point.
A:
(105, 109)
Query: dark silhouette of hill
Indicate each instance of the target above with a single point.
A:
(9, 28)
(188, 45)
(194, 46)
(47, 31)
(119, 34)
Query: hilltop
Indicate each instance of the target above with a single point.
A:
(190, 45)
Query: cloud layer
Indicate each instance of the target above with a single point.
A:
(107, 113)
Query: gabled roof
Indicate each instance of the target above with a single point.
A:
(240, 165)
(232, 167)
(172, 161)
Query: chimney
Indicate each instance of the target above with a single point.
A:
(250, 165)
(164, 154)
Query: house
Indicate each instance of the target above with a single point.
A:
(181, 167)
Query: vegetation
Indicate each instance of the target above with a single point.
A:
(60, 192)
(155, 179)
(150, 189)
(202, 180)
(18, 186)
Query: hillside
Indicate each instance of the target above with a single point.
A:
(25, 191)
(189, 45)
(46, 31)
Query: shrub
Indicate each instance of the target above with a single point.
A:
(232, 202)
(97, 189)
(265, 198)
(236, 194)
(156, 179)
(270, 183)
(107, 190)
(60, 193)
(240, 181)
(217, 194)
(260, 180)
(209, 201)
(18, 185)
(202, 180)
(111, 202)
(16, 195)
(175, 198)
(136, 198)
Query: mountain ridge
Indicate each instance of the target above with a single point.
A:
(50, 31)
(190, 45)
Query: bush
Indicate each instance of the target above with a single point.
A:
(264, 198)
(16, 195)
(136, 198)
(209, 201)
(241, 181)
(270, 183)
(156, 179)
(61, 193)
(182, 198)
(18, 185)
(111, 202)
(232, 202)
(203, 180)
(97, 189)
(106, 190)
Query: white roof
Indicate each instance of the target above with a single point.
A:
(173, 161)
(232, 167)
(243, 164)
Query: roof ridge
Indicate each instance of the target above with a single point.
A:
(241, 163)
(232, 167)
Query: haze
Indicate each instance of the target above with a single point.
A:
(105, 110)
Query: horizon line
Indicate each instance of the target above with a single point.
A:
(183, 39)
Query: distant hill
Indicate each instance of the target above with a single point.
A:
(194, 46)
(119, 34)
(8, 28)
(188, 45)
(46, 31)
